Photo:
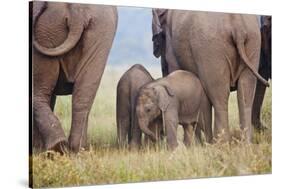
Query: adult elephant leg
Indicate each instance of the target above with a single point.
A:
(38, 142)
(53, 102)
(218, 89)
(84, 92)
(257, 105)
(219, 94)
(245, 94)
(45, 74)
(221, 129)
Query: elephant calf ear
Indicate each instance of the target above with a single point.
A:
(164, 95)
(169, 90)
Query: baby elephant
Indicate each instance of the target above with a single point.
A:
(178, 98)
(128, 131)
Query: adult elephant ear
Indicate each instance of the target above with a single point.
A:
(75, 23)
(164, 94)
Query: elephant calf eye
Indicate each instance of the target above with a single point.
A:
(147, 110)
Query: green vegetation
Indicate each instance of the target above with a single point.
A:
(104, 163)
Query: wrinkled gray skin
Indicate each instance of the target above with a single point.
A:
(162, 46)
(71, 43)
(264, 70)
(223, 50)
(128, 131)
(177, 98)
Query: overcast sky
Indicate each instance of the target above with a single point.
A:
(132, 43)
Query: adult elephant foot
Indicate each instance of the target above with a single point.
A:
(61, 147)
(37, 141)
(47, 127)
(78, 133)
(49, 136)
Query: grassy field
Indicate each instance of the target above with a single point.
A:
(104, 163)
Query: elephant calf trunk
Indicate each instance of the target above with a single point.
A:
(147, 131)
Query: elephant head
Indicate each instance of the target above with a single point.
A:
(151, 103)
(71, 16)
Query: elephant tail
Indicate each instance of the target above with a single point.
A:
(76, 28)
(240, 42)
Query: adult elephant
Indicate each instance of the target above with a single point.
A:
(162, 47)
(223, 50)
(264, 70)
(71, 43)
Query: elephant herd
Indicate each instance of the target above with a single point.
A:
(204, 56)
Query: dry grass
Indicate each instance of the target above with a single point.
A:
(104, 163)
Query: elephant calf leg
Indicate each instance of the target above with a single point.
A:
(205, 119)
(135, 139)
(188, 134)
(157, 128)
(123, 127)
(171, 132)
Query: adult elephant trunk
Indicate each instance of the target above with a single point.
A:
(76, 26)
(143, 124)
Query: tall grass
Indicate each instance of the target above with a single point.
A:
(105, 163)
